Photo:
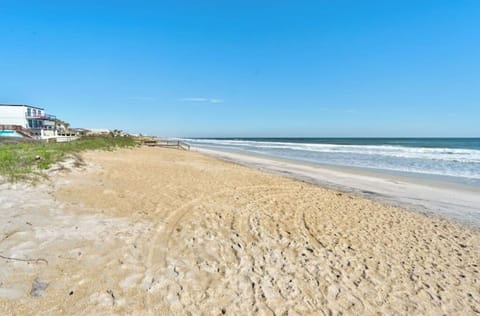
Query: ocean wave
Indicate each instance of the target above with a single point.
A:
(454, 162)
(447, 154)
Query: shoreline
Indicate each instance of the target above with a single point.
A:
(454, 201)
(449, 161)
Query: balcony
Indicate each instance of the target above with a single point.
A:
(40, 117)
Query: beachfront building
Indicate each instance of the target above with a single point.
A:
(26, 121)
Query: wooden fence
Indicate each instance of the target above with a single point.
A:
(167, 143)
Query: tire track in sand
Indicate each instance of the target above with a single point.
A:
(165, 228)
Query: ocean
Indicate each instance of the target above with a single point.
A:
(452, 159)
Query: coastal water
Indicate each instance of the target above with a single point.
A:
(456, 159)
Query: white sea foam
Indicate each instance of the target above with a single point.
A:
(456, 162)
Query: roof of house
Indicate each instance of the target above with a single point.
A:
(30, 106)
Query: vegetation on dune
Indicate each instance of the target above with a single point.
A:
(25, 161)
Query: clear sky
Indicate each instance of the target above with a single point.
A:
(247, 68)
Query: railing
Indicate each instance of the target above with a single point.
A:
(63, 139)
(42, 117)
(183, 145)
(166, 143)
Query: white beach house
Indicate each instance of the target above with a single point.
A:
(27, 121)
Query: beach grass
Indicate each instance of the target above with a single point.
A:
(25, 161)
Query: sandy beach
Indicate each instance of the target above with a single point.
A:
(150, 231)
(456, 201)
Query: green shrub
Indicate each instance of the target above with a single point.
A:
(25, 161)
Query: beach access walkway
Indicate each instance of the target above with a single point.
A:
(165, 143)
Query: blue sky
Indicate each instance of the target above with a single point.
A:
(247, 68)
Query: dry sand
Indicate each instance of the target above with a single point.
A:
(159, 232)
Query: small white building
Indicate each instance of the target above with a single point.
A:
(27, 120)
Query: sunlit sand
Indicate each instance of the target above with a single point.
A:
(161, 231)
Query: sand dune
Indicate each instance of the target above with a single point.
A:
(159, 231)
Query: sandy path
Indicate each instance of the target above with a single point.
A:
(169, 232)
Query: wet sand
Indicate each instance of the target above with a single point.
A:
(159, 231)
(457, 201)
